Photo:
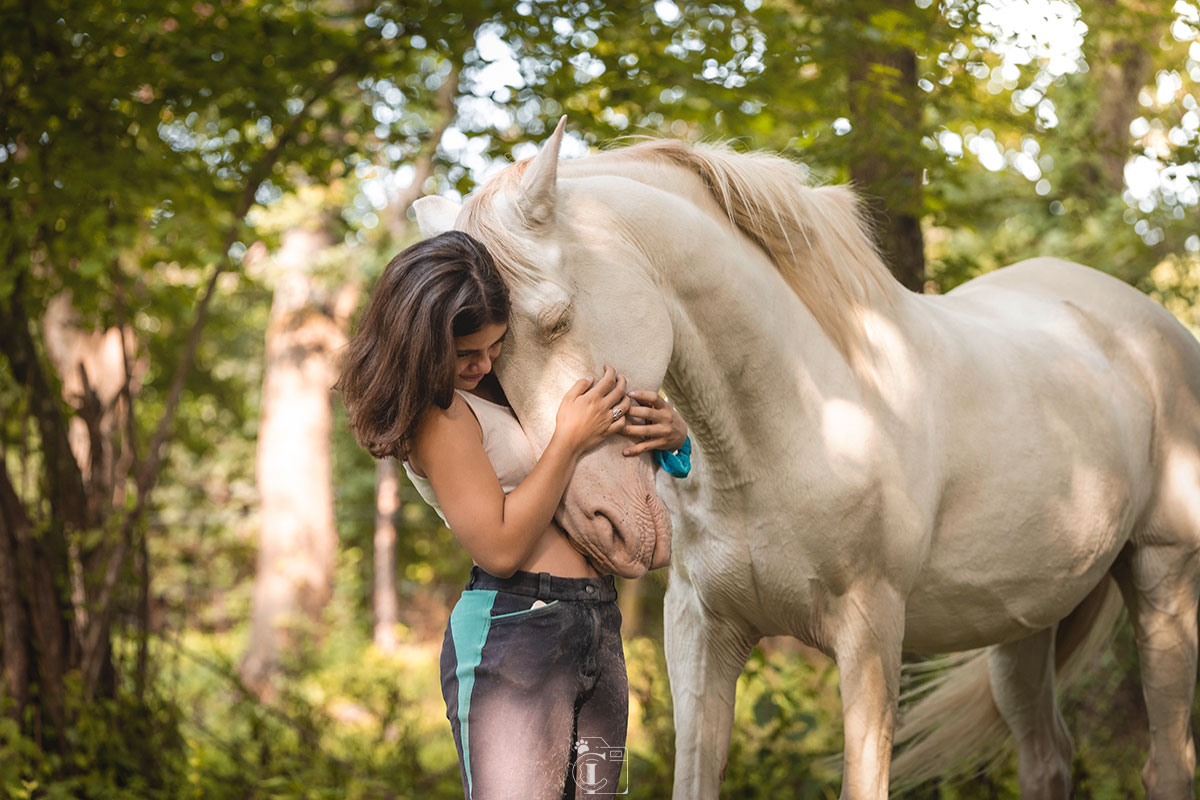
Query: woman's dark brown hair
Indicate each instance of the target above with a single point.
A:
(401, 359)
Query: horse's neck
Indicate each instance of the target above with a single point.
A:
(746, 348)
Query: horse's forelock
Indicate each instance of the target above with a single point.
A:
(492, 215)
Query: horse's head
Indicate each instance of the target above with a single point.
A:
(582, 297)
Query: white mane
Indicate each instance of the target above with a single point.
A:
(815, 236)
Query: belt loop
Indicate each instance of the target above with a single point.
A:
(543, 586)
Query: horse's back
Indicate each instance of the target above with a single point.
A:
(1069, 389)
(1148, 349)
(1131, 329)
(1112, 302)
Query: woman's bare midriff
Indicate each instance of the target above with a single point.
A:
(554, 554)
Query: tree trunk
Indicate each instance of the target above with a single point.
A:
(885, 151)
(35, 572)
(387, 505)
(14, 616)
(298, 535)
(40, 646)
(1121, 66)
(98, 383)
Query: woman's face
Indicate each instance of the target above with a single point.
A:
(474, 354)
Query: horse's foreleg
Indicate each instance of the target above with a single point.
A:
(1159, 584)
(1022, 679)
(704, 658)
(867, 629)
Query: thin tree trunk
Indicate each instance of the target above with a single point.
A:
(41, 561)
(14, 620)
(1122, 68)
(387, 505)
(885, 143)
(94, 374)
(298, 534)
(33, 574)
(35, 546)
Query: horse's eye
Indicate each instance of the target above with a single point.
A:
(554, 321)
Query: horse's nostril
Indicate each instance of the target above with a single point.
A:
(616, 533)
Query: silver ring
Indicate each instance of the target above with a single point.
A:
(617, 412)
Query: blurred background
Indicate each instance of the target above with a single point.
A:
(206, 588)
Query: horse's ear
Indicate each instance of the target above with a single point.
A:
(538, 183)
(435, 214)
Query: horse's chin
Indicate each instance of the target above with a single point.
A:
(614, 516)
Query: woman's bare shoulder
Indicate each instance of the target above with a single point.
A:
(438, 427)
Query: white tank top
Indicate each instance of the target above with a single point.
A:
(509, 452)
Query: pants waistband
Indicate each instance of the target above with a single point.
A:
(545, 586)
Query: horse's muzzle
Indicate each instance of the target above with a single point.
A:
(614, 516)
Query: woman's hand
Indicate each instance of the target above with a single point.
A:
(592, 410)
(662, 427)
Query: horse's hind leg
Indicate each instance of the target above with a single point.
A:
(1159, 579)
(1022, 678)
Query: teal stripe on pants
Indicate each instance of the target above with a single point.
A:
(469, 624)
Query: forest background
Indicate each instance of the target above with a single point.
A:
(206, 589)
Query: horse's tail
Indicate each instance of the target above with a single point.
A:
(949, 723)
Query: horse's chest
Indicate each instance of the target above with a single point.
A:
(765, 561)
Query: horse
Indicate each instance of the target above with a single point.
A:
(876, 471)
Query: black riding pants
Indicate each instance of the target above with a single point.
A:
(534, 680)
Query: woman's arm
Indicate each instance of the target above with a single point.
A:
(497, 530)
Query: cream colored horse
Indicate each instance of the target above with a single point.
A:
(875, 470)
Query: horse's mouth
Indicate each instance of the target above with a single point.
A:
(623, 529)
(634, 549)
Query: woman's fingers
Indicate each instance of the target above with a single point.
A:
(644, 446)
(617, 393)
(607, 380)
(655, 422)
(650, 415)
(648, 431)
(603, 384)
(647, 398)
(579, 387)
(620, 411)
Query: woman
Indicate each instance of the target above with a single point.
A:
(532, 669)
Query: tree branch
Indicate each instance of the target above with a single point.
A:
(150, 469)
(444, 102)
(65, 487)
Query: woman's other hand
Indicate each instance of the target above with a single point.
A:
(593, 410)
(662, 428)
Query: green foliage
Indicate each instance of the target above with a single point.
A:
(133, 140)
(1064, 136)
(650, 741)
(787, 717)
(121, 747)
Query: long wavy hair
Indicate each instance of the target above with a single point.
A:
(400, 361)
